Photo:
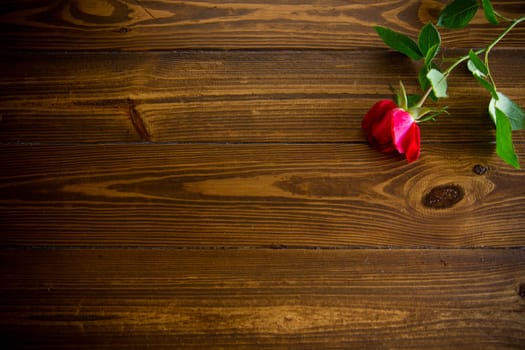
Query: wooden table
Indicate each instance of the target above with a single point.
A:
(193, 175)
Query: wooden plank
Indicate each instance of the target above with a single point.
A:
(171, 25)
(279, 299)
(259, 195)
(276, 96)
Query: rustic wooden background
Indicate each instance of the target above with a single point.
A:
(193, 175)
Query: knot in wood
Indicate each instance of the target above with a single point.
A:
(479, 169)
(442, 197)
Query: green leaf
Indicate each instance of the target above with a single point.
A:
(474, 70)
(504, 146)
(399, 42)
(428, 38)
(488, 86)
(403, 100)
(424, 83)
(489, 12)
(431, 53)
(438, 82)
(480, 71)
(515, 115)
(476, 65)
(458, 13)
(422, 77)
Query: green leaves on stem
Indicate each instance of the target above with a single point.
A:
(489, 12)
(504, 146)
(506, 114)
(513, 112)
(480, 71)
(429, 42)
(458, 14)
(427, 48)
(399, 42)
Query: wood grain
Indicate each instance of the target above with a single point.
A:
(171, 25)
(279, 299)
(261, 96)
(192, 175)
(258, 195)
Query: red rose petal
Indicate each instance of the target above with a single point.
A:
(377, 112)
(401, 123)
(405, 134)
(382, 130)
(375, 124)
(413, 148)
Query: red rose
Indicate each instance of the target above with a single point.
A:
(390, 128)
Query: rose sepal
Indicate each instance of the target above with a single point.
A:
(423, 114)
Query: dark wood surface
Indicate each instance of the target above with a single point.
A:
(326, 195)
(137, 25)
(240, 96)
(193, 175)
(264, 298)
